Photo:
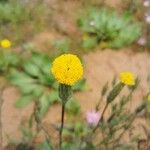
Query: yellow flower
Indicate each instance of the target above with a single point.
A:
(5, 43)
(86, 36)
(148, 98)
(127, 78)
(67, 69)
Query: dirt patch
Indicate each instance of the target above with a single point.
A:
(11, 117)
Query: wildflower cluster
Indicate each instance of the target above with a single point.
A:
(67, 69)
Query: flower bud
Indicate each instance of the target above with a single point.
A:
(64, 92)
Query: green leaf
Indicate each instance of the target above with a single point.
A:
(114, 92)
(32, 89)
(31, 69)
(20, 78)
(63, 45)
(46, 100)
(107, 26)
(80, 85)
(45, 146)
(90, 146)
(27, 134)
(73, 107)
(90, 42)
(114, 122)
(41, 60)
(46, 79)
(55, 85)
(44, 105)
(104, 89)
(69, 146)
(53, 97)
(24, 101)
(43, 65)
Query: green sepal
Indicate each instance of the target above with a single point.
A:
(64, 92)
(114, 92)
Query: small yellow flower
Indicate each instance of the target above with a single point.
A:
(5, 43)
(86, 36)
(148, 98)
(127, 78)
(67, 69)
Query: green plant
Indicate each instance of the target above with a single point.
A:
(107, 26)
(73, 107)
(38, 86)
(19, 21)
(62, 45)
(44, 146)
(36, 83)
(110, 130)
(8, 59)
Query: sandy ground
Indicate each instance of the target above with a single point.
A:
(100, 66)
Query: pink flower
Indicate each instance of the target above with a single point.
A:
(146, 3)
(147, 18)
(141, 41)
(92, 117)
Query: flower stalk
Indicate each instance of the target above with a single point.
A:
(67, 70)
(64, 94)
(111, 96)
(62, 125)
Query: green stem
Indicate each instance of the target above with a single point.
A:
(98, 104)
(124, 131)
(40, 126)
(62, 125)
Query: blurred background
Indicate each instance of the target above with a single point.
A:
(109, 36)
(52, 24)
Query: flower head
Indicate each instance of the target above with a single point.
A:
(67, 69)
(5, 43)
(127, 78)
(141, 41)
(146, 3)
(92, 117)
(147, 18)
(148, 98)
